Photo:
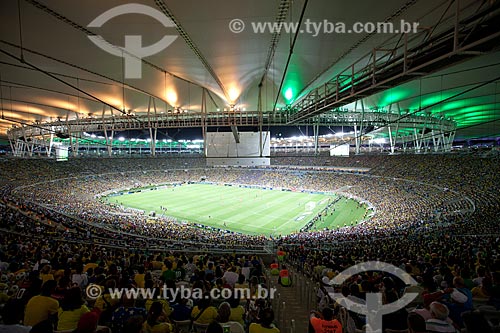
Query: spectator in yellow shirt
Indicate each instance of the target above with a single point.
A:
(164, 303)
(45, 273)
(140, 277)
(72, 308)
(92, 265)
(156, 320)
(237, 311)
(266, 323)
(105, 302)
(41, 307)
(204, 313)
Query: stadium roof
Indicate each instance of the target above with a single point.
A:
(50, 68)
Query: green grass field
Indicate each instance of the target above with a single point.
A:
(245, 210)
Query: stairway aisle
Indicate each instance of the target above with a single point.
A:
(295, 308)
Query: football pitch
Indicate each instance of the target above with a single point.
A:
(245, 210)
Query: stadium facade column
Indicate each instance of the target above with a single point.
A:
(356, 139)
(259, 110)
(436, 141)
(393, 138)
(73, 139)
(44, 143)
(28, 144)
(316, 136)
(416, 140)
(449, 140)
(51, 142)
(153, 126)
(358, 136)
(204, 120)
(76, 142)
(422, 140)
(109, 142)
(10, 136)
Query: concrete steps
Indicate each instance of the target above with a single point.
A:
(295, 308)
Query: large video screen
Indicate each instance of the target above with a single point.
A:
(61, 153)
(223, 144)
(342, 150)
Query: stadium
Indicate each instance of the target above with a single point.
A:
(249, 167)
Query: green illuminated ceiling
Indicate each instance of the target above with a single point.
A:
(292, 84)
(468, 93)
(469, 110)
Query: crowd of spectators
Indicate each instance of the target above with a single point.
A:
(44, 281)
(436, 216)
(400, 199)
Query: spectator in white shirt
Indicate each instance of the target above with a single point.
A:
(438, 323)
(80, 279)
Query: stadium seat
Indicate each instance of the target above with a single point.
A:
(234, 327)
(477, 302)
(199, 328)
(491, 315)
(183, 326)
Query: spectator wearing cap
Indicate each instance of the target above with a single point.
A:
(438, 321)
